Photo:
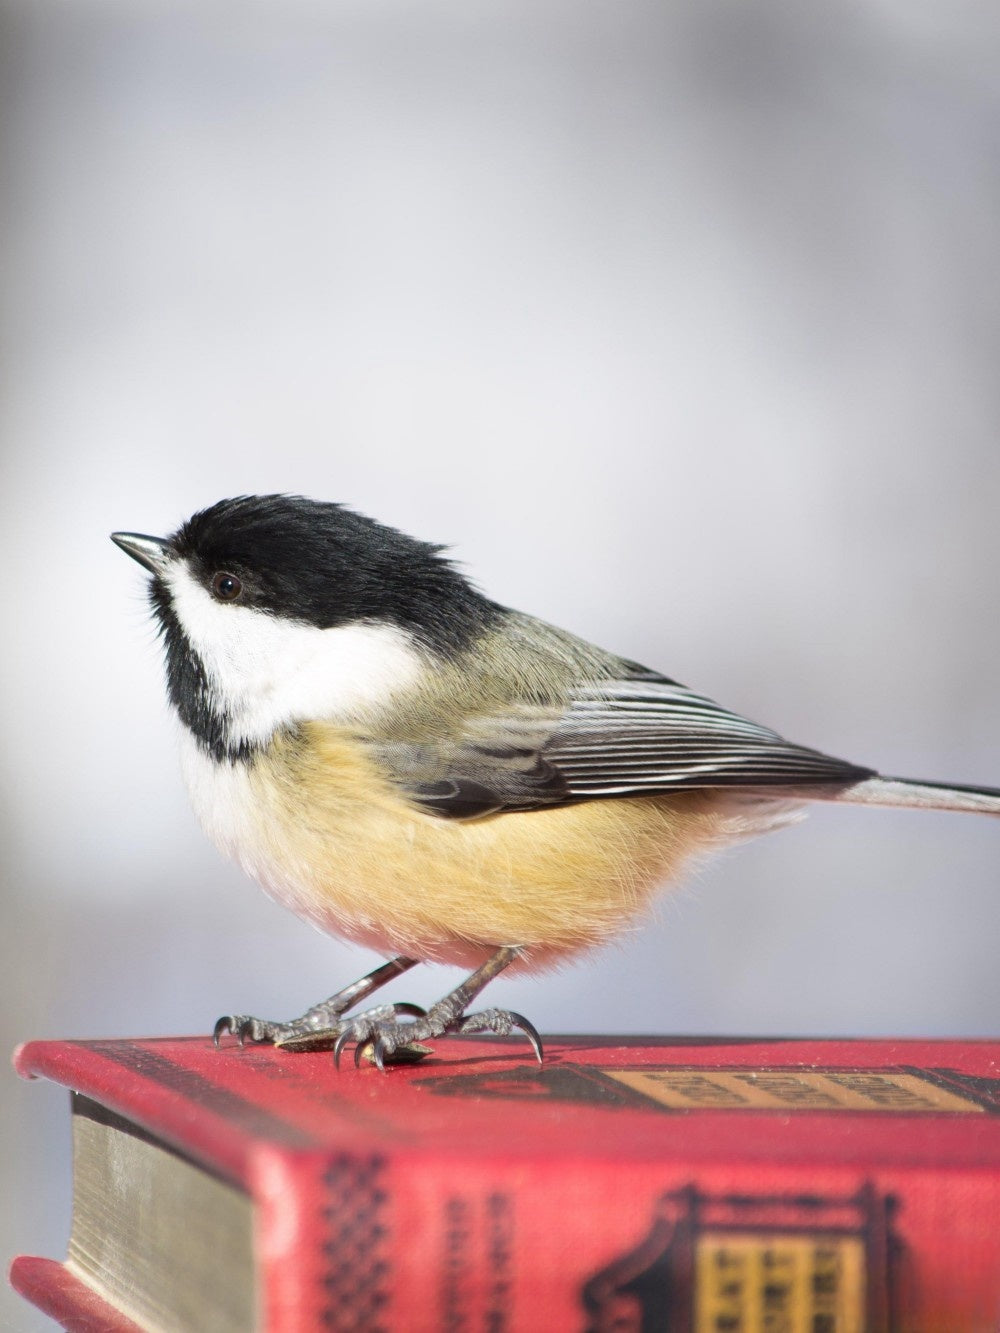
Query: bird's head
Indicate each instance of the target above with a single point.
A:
(276, 609)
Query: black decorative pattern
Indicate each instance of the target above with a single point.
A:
(979, 1087)
(356, 1231)
(661, 1282)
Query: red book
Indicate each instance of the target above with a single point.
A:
(716, 1186)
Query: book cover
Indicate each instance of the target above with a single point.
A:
(716, 1186)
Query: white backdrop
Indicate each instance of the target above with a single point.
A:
(678, 321)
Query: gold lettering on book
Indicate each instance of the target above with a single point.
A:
(747, 1283)
(792, 1090)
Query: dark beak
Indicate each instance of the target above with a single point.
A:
(151, 552)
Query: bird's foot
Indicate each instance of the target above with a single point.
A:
(319, 1027)
(317, 1030)
(388, 1041)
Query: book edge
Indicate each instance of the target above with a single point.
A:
(53, 1288)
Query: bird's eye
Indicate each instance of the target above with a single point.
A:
(226, 587)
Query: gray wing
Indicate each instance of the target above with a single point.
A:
(639, 735)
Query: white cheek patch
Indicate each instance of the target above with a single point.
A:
(266, 672)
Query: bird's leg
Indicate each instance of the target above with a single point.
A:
(390, 1038)
(320, 1026)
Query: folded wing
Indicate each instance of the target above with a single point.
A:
(634, 736)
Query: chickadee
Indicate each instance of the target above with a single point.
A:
(405, 763)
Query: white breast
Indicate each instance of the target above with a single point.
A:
(234, 812)
(225, 803)
(229, 807)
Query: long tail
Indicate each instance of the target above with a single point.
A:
(906, 792)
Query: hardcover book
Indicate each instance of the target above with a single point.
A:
(629, 1184)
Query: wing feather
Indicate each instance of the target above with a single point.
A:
(622, 737)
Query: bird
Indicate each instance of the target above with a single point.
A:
(411, 766)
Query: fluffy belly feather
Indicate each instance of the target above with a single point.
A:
(328, 836)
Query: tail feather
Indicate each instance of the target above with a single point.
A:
(907, 792)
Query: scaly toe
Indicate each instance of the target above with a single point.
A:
(380, 1024)
(243, 1028)
(502, 1022)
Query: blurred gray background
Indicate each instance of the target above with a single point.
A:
(678, 320)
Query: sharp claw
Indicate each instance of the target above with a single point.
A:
(377, 1049)
(412, 1010)
(222, 1026)
(530, 1031)
(338, 1049)
(357, 1054)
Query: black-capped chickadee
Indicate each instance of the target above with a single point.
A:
(405, 763)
